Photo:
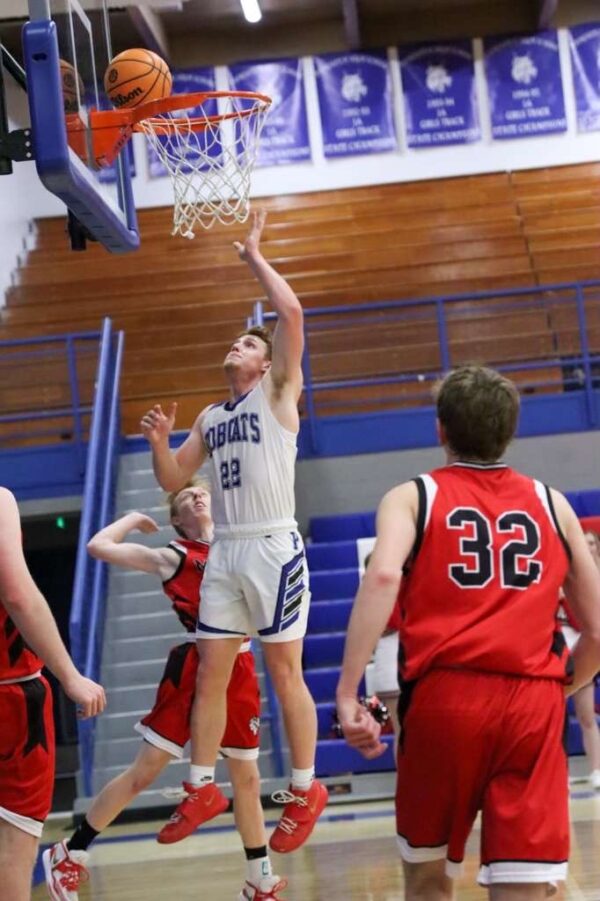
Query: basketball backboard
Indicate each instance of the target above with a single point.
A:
(60, 34)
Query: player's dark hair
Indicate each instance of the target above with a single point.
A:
(478, 409)
(260, 331)
(173, 500)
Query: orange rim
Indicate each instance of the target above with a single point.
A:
(111, 129)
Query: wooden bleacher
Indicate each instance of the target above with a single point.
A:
(181, 302)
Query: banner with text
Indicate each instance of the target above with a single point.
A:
(186, 81)
(355, 101)
(585, 62)
(440, 99)
(284, 138)
(524, 85)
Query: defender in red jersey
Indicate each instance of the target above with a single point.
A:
(166, 729)
(476, 553)
(29, 639)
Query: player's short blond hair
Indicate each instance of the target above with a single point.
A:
(479, 409)
(173, 497)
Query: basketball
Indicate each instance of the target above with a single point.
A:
(136, 76)
(69, 79)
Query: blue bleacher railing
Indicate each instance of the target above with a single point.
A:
(90, 583)
(71, 356)
(561, 344)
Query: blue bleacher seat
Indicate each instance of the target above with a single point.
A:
(333, 584)
(574, 743)
(330, 617)
(574, 498)
(325, 717)
(342, 527)
(332, 555)
(323, 650)
(335, 757)
(589, 502)
(322, 682)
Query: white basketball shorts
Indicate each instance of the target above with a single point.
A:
(255, 586)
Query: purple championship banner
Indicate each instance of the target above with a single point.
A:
(355, 102)
(284, 138)
(187, 81)
(440, 98)
(584, 41)
(524, 85)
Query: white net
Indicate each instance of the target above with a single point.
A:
(209, 158)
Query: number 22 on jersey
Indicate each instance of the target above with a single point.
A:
(230, 474)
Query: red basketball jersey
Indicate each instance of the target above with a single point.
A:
(481, 589)
(183, 588)
(16, 659)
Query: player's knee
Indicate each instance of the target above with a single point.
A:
(286, 675)
(587, 720)
(245, 779)
(211, 678)
(426, 881)
(142, 776)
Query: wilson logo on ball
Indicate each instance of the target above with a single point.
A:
(125, 99)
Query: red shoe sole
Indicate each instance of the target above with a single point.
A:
(280, 849)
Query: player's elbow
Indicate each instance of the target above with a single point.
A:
(292, 314)
(95, 547)
(15, 602)
(384, 578)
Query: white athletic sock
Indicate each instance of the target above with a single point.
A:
(257, 870)
(201, 775)
(303, 779)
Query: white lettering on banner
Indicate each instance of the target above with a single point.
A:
(522, 128)
(441, 101)
(439, 137)
(373, 144)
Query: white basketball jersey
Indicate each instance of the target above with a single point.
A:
(253, 459)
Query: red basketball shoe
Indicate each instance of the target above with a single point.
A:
(301, 812)
(203, 803)
(64, 871)
(266, 891)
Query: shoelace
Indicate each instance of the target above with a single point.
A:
(174, 793)
(287, 824)
(287, 797)
(183, 795)
(72, 873)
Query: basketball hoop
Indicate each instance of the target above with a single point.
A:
(207, 142)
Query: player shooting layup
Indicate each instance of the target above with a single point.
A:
(256, 577)
(479, 553)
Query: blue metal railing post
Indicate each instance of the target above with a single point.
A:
(585, 353)
(442, 327)
(94, 640)
(86, 528)
(86, 622)
(97, 601)
(258, 316)
(75, 402)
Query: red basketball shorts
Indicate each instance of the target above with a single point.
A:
(482, 742)
(27, 753)
(167, 726)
